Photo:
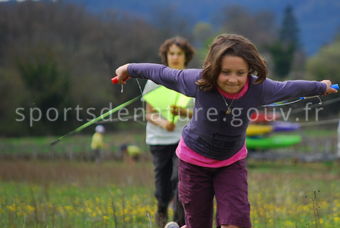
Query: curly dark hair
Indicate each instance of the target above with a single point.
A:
(233, 45)
(182, 44)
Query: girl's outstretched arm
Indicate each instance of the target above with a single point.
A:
(274, 91)
(182, 81)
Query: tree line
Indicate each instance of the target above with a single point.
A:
(59, 55)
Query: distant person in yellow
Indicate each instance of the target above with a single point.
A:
(97, 143)
(130, 153)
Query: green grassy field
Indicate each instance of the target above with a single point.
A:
(75, 194)
(120, 194)
(43, 186)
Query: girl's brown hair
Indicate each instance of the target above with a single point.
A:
(234, 45)
(182, 44)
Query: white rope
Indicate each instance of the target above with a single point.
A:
(331, 101)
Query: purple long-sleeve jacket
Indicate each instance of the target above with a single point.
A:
(212, 132)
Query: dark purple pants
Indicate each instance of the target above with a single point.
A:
(198, 186)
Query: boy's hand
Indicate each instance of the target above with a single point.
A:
(175, 110)
(179, 111)
(169, 126)
(329, 89)
(122, 74)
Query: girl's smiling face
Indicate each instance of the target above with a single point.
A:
(233, 75)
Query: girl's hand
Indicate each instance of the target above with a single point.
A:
(329, 89)
(122, 74)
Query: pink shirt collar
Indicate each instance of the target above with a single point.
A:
(234, 95)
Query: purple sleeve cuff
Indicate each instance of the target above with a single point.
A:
(322, 88)
(131, 70)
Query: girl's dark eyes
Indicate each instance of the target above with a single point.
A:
(238, 73)
(172, 53)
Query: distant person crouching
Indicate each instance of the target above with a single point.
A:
(131, 153)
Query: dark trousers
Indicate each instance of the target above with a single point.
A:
(166, 179)
(96, 154)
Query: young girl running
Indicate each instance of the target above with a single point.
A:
(212, 148)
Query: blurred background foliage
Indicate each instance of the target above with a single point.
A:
(59, 55)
